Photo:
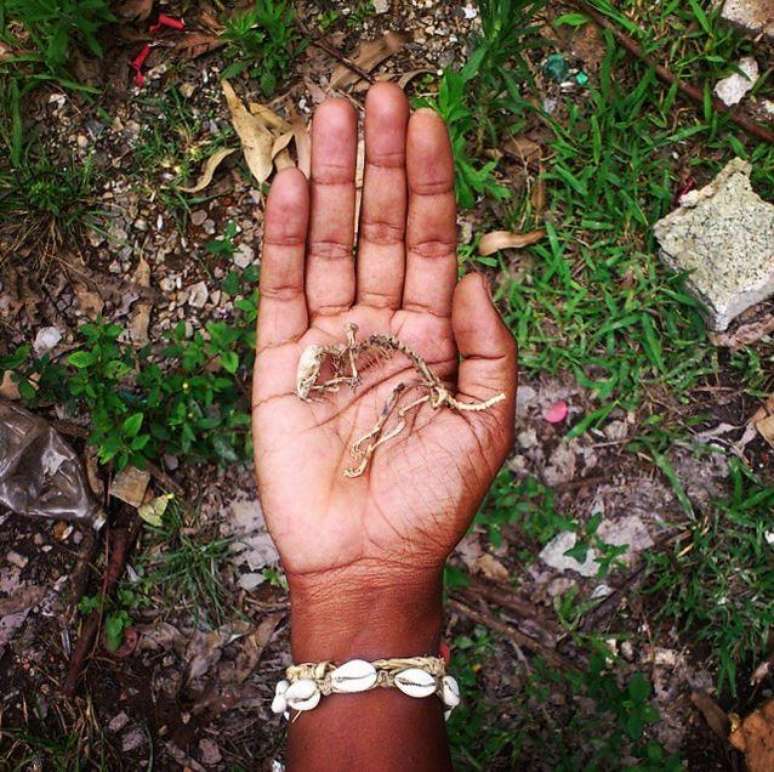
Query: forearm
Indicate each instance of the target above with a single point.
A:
(341, 619)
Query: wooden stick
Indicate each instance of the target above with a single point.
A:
(514, 636)
(669, 77)
(337, 55)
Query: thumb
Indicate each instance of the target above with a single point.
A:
(489, 363)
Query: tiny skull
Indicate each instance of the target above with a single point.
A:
(309, 364)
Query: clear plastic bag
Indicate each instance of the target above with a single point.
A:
(40, 474)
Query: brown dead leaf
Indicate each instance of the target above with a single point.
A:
(714, 715)
(765, 428)
(755, 738)
(205, 178)
(8, 387)
(134, 10)
(744, 335)
(195, 44)
(370, 54)
(303, 145)
(138, 324)
(407, 77)
(283, 160)
(538, 196)
(269, 117)
(491, 568)
(130, 485)
(763, 671)
(497, 240)
(280, 143)
(256, 139)
(523, 148)
(90, 303)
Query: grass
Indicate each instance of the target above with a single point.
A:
(717, 586)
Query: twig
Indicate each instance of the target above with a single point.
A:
(669, 77)
(508, 600)
(514, 636)
(339, 57)
(121, 541)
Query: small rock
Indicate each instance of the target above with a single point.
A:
(208, 226)
(244, 256)
(601, 591)
(198, 217)
(721, 236)
(381, 6)
(132, 740)
(752, 16)
(735, 86)
(167, 284)
(553, 555)
(130, 485)
(187, 89)
(628, 531)
(210, 753)
(527, 439)
(526, 396)
(469, 11)
(140, 224)
(46, 339)
(15, 559)
(616, 431)
(249, 582)
(197, 295)
(118, 722)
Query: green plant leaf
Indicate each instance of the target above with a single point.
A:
(131, 425)
(81, 359)
(571, 20)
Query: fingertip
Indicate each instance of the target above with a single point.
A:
(387, 94)
(288, 201)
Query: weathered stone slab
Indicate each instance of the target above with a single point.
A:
(753, 17)
(723, 235)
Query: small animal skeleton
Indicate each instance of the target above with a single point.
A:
(349, 360)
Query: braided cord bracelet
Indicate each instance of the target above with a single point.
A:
(304, 685)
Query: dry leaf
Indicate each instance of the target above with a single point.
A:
(744, 335)
(369, 55)
(280, 143)
(8, 387)
(755, 737)
(256, 139)
(205, 178)
(765, 428)
(538, 197)
(497, 240)
(714, 715)
(407, 77)
(283, 160)
(138, 325)
(523, 148)
(303, 145)
(91, 303)
(269, 117)
(196, 44)
(491, 568)
(134, 10)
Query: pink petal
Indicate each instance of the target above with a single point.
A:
(556, 413)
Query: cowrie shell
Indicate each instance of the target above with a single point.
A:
(415, 682)
(450, 691)
(302, 694)
(281, 687)
(279, 704)
(447, 713)
(357, 675)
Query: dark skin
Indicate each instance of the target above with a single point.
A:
(364, 556)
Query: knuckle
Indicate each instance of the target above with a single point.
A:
(330, 250)
(381, 232)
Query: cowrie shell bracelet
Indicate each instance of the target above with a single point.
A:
(304, 685)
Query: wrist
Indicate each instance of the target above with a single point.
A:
(356, 613)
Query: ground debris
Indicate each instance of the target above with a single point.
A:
(755, 737)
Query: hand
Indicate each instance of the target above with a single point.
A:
(358, 541)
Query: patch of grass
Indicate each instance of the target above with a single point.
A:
(191, 400)
(717, 586)
(567, 720)
(359, 13)
(184, 566)
(45, 200)
(48, 32)
(264, 42)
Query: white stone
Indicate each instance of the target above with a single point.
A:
(244, 255)
(46, 339)
(731, 89)
(723, 237)
(415, 682)
(752, 16)
(357, 675)
(381, 6)
(197, 295)
(553, 555)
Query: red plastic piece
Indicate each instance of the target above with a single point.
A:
(167, 21)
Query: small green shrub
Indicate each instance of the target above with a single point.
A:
(188, 398)
(264, 42)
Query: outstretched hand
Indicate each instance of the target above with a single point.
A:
(394, 525)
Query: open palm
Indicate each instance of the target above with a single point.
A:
(418, 494)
